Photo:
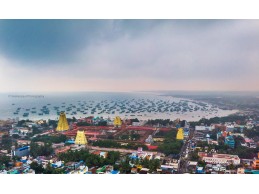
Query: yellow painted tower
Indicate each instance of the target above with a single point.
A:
(62, 122)
(117, 121)
(80, 138)
(180, 134)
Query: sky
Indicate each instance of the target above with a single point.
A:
(129, 55)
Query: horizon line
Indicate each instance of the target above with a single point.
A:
(106, 91)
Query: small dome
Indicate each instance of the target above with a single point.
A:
(207, 136)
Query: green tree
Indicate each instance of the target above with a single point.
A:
(102, 123)
(50, 170)
(4, 160)
(37, 167)
(15, 136)
(50, 139)
(37, 150)
(170, 147)
(125, 167)
(6, 142)
(231, 167)
(194, 156)
(201, 163)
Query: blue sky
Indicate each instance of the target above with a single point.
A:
(128, 55)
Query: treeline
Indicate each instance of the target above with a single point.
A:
(254, 132)
(4, 160)
(170, 145)
(50, 139)
(38, 150)
(113, 144)
(127, 163)
(46, 149)
(163, 122)
(21, 123)
(130, 135)
(241, 151)
(134, 120)
(48, 170)
(83, 123)
(89, 159)
(53, 123)
(6, 142)
(230, 118)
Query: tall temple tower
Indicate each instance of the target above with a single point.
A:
(117, 122)
(180, 134)
(62, 123)
(80, 138)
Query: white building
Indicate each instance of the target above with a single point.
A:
(203, 128)
(136, 124)
(220, 158)
(171, 164)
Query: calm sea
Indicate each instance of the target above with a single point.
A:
(106, 104)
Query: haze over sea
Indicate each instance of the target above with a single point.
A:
(139, 105)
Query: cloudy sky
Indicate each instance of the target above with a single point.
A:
(129, 55)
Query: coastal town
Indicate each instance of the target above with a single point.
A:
(106, 97)
(97, 145)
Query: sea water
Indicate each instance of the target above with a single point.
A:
(139, 105)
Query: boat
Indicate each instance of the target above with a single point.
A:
(25, 114)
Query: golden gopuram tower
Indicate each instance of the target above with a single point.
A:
(80, 138)
(117, 122)
(62, 122)
(180, 134)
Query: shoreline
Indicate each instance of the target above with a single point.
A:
(207, 110)
(141, 118)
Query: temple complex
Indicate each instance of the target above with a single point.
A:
(180, 134)
(80, 138)
(117, 122)
(62, 123)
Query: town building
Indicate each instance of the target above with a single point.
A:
(136, 123)
(212, 142)
(171, 164)
(200, 170)
(203, 128)
(149, 140)
(62, 149)
(57, 145)
(199, 136)
(255, 164)
(23, 151)
(89, 120)
(23, 142)
(229, 140)
(240, 171)
(230, 127)
(186, 132)
(219, 158)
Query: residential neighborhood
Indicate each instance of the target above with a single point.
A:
(95, 145)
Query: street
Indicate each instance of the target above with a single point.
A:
(183, 163)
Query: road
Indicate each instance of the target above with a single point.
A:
(183, 163)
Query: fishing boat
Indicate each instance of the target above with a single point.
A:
(25, 114)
